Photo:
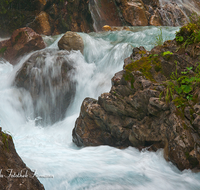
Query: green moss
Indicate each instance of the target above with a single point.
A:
(142, 52)
(129, 77)
(4, 4)
(157, 68)
(187, 155)
(191, 114)
(145, 65)
(180, 112)
(157, 64)
(5, 139)
(190, 33)
(195, 99)
(185, 126)
(2, 50)
(179, 101)
(192, 160)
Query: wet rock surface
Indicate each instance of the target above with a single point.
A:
(22, 41)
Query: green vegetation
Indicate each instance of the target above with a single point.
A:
(147, 65)
(5, 138)
(182, 87)
(129, 77)
(4, 5)
(190, 33)
(167, 53)
(159, 38)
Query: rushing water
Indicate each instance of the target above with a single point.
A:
(58, 163)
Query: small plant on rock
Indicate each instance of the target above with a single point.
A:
(159, 38)
(182, 87)
(190, 33)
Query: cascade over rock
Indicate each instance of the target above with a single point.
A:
(22, 41)
(48, 76)
(71, 41)
(134, 114)
(14, 172)
(105, 13)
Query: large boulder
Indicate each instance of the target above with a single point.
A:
(48, 76)
(71, 41)
(14, 173)
(135, 113)
(22, 41)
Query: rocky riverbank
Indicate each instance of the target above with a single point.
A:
(153, 103)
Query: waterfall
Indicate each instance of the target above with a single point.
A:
(49, 150)
(96, 15)
(104, 13)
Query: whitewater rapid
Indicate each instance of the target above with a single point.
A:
(49, 151)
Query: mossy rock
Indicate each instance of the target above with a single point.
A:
(148, 66)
